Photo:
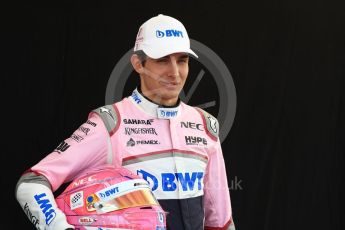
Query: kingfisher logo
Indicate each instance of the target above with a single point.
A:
(189, 181)
(169, 33)
(131, 131)
(46, 207)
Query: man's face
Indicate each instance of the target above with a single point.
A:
(163, 79)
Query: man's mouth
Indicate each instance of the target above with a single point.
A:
(170, 85)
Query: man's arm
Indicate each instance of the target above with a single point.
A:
(35, 196)
(218, 212)
(89, 146)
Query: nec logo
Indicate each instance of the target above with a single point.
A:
(46, 207)
(189, 181)
(83, 181)
(169, 33)
(191, 125)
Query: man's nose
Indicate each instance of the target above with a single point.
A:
(173, 68)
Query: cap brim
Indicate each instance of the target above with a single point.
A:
(155, 54)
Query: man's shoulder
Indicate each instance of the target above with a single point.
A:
(110, 109)
(109, 114)
(199, 110)
(210, 122)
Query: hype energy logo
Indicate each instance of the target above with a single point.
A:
(168, 33)
(211, 63)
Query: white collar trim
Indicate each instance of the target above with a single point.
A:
(153, 109)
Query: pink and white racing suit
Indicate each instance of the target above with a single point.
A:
(177, 150)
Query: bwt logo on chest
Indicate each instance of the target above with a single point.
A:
(169, 33)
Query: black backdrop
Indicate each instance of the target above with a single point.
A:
(285, 149)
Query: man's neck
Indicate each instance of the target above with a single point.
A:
(156, 99)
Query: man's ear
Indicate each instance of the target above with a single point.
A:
(136, 63)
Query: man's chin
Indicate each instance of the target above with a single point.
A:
(170, 95)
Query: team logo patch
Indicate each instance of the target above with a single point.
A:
(213, 124)
(76, 200)
(107, 111)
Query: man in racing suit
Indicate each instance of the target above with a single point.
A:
(175, 147)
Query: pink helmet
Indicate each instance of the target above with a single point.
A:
(111, 198)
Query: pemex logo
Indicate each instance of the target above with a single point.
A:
(212, 68)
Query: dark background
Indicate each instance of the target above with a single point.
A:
(287, 60)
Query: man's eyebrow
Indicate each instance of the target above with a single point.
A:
(184, 56)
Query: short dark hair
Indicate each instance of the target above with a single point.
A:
(142, 56)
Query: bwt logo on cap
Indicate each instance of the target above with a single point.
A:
(169, 33)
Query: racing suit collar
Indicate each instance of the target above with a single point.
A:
(153, 109)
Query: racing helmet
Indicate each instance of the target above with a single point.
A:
(110, 198)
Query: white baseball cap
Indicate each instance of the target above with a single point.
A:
(161, 36)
